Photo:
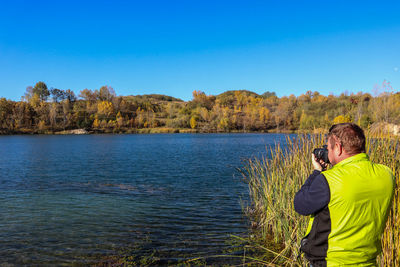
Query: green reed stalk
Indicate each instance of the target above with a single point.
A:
(273, 183)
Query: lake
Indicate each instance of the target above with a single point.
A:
(96, 198)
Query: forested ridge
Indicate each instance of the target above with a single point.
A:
(44, 110)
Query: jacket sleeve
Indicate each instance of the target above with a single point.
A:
(313, 195)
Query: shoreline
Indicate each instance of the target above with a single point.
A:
(163, 130)
(137, 131)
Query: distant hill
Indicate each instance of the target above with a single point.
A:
(155, 97)
(101, 110)
(232, 93)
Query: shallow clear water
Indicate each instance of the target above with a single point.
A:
(81, 199)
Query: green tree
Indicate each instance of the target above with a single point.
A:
(41, 90)
(268, 94)
(306, 122)
(70, 96)
(57, 95)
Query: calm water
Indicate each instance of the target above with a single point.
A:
(84, 199)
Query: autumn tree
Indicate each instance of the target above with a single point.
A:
(53, 114)
(200, 99)
(119, 120)
(28, 94)
(22, 115)
(96, 122)
(66, 113)
(106, 93)
(105, 108)
(193, 122)
(5, 113)
(88, 95)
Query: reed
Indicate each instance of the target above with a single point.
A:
(273, 182)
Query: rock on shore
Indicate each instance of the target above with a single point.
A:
(386, 128)
(75, 131)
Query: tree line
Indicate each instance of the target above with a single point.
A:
(44, 110)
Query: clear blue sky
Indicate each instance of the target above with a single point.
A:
(175, 47)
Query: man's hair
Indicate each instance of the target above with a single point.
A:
(350, 136)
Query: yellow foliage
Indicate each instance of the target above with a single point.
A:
(204, 114)
(327, 122)
(119, 119)
(254, 101)
(105, 108)
(234, 119)
(226, 111)
(264, 114)
(193, 122)
(111, 124)
(198, 95)
(223, 124)
(103, 124)
(41, 125)
(96, 123)
(342, 119)
(240, 98)
(237, 109)
(34, 100)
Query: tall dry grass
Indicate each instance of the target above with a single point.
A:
(273, 183)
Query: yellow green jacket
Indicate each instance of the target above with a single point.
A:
(347, 232)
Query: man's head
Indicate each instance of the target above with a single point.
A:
(345, 140)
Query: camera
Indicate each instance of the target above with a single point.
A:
(321, 154)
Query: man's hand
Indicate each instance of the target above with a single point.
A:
(318, 165)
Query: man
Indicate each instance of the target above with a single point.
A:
(349, 203)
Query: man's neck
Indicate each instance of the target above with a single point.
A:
(344, 156)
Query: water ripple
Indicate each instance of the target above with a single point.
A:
(80, 199)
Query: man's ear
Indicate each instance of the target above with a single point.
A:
(339, 149)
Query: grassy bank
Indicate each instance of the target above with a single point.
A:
(276, 229)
